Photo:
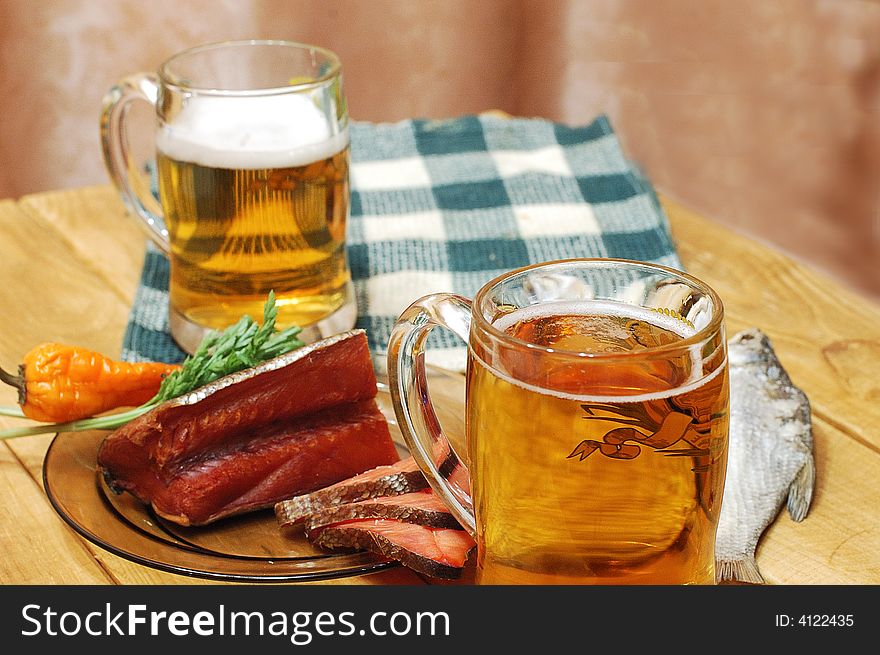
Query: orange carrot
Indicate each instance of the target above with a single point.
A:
(61, 383)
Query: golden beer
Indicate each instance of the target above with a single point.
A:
(252, 158)
(237, 232)
(596, 473)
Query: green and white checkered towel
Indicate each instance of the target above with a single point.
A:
(448, 205)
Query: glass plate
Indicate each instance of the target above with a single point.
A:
(247, 548)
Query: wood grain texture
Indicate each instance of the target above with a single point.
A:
(49, 294)
(48, 302)
(69, 278)
(95, 225)
(825, 335)
(71, 260)
(37, 547)
(838, 541)
(828, 339)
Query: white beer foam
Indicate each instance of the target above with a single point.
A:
(250, 132)
(606, 308)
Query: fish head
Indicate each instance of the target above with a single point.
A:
(749, 346)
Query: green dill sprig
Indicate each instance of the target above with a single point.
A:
(242, 345)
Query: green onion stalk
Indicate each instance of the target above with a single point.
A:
(240, 346)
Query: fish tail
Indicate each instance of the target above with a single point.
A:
(743, 570)
(800, 493)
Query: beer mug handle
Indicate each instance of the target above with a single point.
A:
(418, 423)
(132, 183)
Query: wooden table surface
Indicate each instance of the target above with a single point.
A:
(70, 265)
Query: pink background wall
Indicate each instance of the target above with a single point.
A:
(761, 115)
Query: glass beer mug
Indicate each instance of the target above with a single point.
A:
(252, 161)
(596, 422)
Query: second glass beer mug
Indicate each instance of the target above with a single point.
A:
(596, 422)
(252, 157)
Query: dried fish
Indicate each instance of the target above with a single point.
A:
(770, 455)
